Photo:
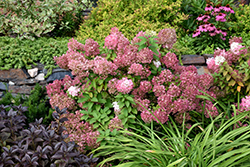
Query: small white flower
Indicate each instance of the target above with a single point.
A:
(219, 59)
(157, 63)
(116, 106)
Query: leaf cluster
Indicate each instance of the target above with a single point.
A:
(31, 19)
(130, 17)
(241, 22)
(38, 145)
(99, 109)
(212, 146)
(17, 54)
(232, 82)
(37, 103)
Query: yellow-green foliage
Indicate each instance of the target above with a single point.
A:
(242, 23)
(130, 17)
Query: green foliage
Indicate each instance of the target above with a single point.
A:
(130, 17)
(208, 50)
(37, 103)
(241, 23)
(100, 109)
(181, 48)
(17, 54)
(212, 146)
(30, 19)
(234, 79)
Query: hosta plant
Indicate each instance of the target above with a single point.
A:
(38, 145)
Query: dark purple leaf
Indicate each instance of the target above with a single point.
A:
(57, 156)
(63, 119)
(38, 140)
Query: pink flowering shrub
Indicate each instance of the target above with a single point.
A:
(212, 26)
(231, 69)
(112, 91)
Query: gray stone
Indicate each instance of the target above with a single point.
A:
(58, 75)
(40, 66)
(193, 60)
(12, 75)
(202, 70)
(206, 56)
(3, 86)
(55, 70)
(26, 82)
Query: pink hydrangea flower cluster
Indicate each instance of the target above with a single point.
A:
(245, 103)
(124, 85)
(139, 70)
(73, 91)
(80, 132)
(170, 60)
(128, 57)
(91, 47)
(116, 41)
(167, 37)
(145, 56)
(61, 100)
(103, 67)
(73, 45)
(115, 123)
(231, 56)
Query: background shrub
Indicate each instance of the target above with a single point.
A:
(17, 54)
(130, 17)
(29, 19)
(37, 104)
(241, 23)
(38, 145)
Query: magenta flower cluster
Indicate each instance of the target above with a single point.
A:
(212, 19)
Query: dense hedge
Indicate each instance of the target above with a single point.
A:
(130, 17)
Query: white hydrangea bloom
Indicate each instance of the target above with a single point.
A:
(235, 47)
(219, 59)
(157, 63)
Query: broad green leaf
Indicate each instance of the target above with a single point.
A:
(98, 107)
(86, 98)
(92, 120)
(94, 99)
(127, 103)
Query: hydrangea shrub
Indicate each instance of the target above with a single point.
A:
(114, 90)
(231, 69)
